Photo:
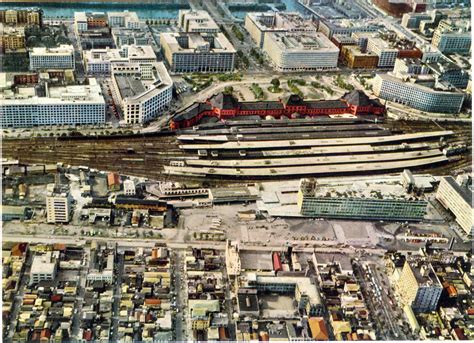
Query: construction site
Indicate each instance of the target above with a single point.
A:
(255, 149)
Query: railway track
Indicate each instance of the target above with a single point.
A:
(146, 156)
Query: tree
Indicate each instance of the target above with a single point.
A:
(275, 83)
(228, 90)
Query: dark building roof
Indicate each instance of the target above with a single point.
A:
(326, 104)
(294, 100)
(192, 111)
(357, 98)
(134, 201)
(261, 105)
(248, 300)
(463, 191)
(224, 101)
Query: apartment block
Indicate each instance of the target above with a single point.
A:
(144, 90)
(198, 52)
(61, 57)
(414, 95)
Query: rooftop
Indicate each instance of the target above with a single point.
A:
(298, 41)
(64, 49)
(374, 189)
(281, 21)
(196, 42)
(90, 93)
(466, 193)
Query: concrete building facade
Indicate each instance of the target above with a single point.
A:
(300, 51)
(417, 96)
(457, 198)
(30, 106)
(197, 52)
(144, 89)
(58, 208)
(61, 57)
(419, 287)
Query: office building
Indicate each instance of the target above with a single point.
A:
(122, 36)
(413, 20)
(300, 51)
(61, 57)
(58, 207)
(197, 52)
(359, 200)
(347, 27)
(48, 105)
(196, 21)
(100, 61)
(456, 196)
(382, 48)
(129, 187)
(144, 90)
(260, 23)
(453, 36)
(128, 20)
(44, 267)
(12, 39)
(354, 58)
(419, 287)
(417, 96)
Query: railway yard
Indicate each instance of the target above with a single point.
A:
(255, 149)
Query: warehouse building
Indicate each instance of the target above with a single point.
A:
(48, 105)
(144, 90)
(198, 52)
(417, 96)
(456, 196)
(370, 201)
(300, 51)
(61, 57)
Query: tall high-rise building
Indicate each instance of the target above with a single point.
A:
(419, 287)
(58, 207)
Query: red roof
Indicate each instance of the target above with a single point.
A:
(318, 329)
(152, 301)
(87, 335)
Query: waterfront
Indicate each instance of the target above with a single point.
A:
(58, 10)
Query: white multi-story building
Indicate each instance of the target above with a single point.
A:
(258, 24)
(43, 268)
(143, 89)
(417, 96)
(58, 207)
(387, 54)
(300, 51)
(452, 37)
(80, 21)
(197, 52)
(197, 21)
(456, 196)
(61, 57)
(45, 105)
(129, 187)
(99, 61)
(125, 19)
